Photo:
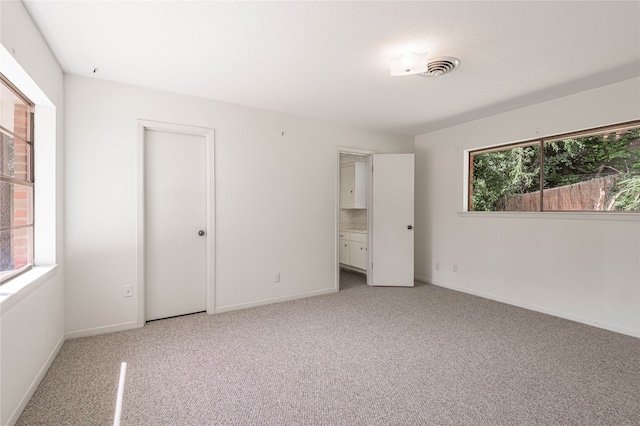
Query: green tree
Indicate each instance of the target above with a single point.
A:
(628, 195)
(575, 160)
(501, 174)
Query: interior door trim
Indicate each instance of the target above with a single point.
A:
(208, 134)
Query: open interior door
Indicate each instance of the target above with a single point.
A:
(391, 238)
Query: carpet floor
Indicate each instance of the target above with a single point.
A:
(363, 356)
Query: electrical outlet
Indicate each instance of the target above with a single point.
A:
(128, 291)
(455, 268)
(276, 277)
(437, 266)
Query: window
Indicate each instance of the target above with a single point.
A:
(16, 181)
(595, 170)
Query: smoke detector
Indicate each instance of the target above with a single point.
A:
(437, 67)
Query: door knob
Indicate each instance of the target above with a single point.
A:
(409, 227)
(201, 233)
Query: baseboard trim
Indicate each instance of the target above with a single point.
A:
(422, 279)
(588, 321)
(102, 330)
(13, 419)
(238, 306)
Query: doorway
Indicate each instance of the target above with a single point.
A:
(377, 230)
(175, 227)
(353, 218)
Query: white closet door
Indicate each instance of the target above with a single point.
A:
(175, 224)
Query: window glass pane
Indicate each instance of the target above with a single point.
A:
(16, 250)
(6, 205)
(22, 247)
(6, 154)
(506, 180)
(16, 204)
(6, 255)
(21, 160)
(15, 157)
(14, 113)
(597, 172)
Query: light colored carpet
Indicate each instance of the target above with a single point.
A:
(363, 356)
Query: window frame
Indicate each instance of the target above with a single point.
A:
(29, 182)
(469, 154)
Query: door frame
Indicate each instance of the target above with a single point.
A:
(208, 134)
(367, 153)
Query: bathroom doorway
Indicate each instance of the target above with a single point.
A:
(374, 217)
(353, 219)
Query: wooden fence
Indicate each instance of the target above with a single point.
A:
(593, 194)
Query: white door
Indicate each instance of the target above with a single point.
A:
(175, 224)
(391, 245)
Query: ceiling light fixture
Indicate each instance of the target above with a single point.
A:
(409, 64)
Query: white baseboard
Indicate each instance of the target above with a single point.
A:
(238, 306)
(423, 279)
(13, 419)
(134, 324)
(102, 330)
(536, 308)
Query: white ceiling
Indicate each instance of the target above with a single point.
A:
(329, 60)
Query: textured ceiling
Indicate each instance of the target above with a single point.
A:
(329, 60)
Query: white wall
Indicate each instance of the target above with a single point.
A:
(32, 321)
(274, 195)
(570, 265)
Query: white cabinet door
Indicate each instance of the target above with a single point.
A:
(353, 186)
(347, 186)
(356, 254)
(360, 186)
(366, 256)
(344, 251)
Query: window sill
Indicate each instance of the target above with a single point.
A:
(19, 287)
(617, 216)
